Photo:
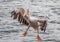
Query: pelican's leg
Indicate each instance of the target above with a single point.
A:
(38, 37)
(25, 33)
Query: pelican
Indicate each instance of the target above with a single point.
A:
(23, 17)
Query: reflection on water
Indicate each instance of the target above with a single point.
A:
(11, 30)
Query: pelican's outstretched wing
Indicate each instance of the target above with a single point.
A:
(19, 14)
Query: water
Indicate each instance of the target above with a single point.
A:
(11, 30)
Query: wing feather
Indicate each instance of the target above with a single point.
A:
(19, 16)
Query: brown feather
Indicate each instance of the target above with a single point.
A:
(19, 16)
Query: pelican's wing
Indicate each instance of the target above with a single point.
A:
(14, 14)
(19, 15)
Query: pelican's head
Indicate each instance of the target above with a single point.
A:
(46, 17)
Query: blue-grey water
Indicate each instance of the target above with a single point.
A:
(11, 30)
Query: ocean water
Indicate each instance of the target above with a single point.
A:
(11, 30)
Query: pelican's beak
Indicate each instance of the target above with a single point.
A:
(47, 17)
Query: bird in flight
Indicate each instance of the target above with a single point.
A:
(22, 16)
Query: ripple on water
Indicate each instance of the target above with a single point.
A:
(58, 28)
(58, 22)
(9, 31)
(56, 10)
(14, 24)
(53, 40)
(52, 22)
